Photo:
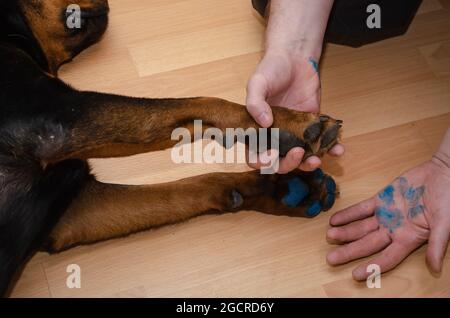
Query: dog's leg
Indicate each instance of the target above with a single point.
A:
(96, 125)
(107, 126)
(103, 211)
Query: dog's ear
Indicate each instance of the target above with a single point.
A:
(61, 41)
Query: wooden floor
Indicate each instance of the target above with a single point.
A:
(394, 98)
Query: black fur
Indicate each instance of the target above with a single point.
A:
(32, 196)
(15, 31)
(30, 205)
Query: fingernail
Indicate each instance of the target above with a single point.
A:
(264, 119)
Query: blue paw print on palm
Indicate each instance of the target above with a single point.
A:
(391, 219)
(387, 195)
(413, 196)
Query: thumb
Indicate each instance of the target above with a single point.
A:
(437, 244)
(256, 101)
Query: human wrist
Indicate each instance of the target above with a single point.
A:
(300, 48)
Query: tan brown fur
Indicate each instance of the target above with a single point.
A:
(111, 130)
(104, 211)
(45, 19)
(102, 126)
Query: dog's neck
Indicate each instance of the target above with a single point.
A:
(15, 31)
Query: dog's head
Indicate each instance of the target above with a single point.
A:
(57, 26)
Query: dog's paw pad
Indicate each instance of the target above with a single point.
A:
(319, 175)
(312, 133)
(236, 199)
(314, 195)
(329, 195)
(330, 135)
(287, 141)
(326, 189)
(330, 184)
(329, 201)
(314, 209)
(321, 135)
(298, 190)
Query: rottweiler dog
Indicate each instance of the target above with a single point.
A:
(49, 199)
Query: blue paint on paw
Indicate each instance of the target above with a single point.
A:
(329, 201)
(314, 209)
(331, 185)
(318, 174)
(298, 191)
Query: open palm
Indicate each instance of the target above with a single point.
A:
(412, 210)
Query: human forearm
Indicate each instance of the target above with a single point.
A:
(287, 76)
(298, 26)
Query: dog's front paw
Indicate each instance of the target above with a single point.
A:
(299, 193)
(315, 133)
